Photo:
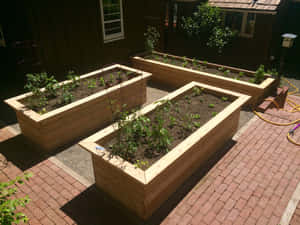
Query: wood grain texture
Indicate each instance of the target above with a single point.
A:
(144, 191)
(176, 76)
(81, 118)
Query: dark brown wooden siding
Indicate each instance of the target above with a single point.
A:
(69, 34)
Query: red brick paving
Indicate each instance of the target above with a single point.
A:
(251, 184)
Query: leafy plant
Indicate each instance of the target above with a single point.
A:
(224, 99)
(91, 83)
(194, 62)
(241, 74)
(211, 105)
(206, 24)
(152, 37)
(141, 164)
(259, 74)
(9, 204)
(221, 68)
(39, 80)
(101, 81)
(66, 95)
(226, 72)
(214, 113)
(197, 91)
(75, 79)
(273, 72)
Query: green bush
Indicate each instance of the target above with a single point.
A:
(8, 204)
(206, 24)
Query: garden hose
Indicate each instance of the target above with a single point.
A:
(295, 108)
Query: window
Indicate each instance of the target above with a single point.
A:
(112, 20)
(243, 22)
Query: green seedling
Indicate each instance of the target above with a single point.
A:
(224, 99)
(211, 106)
(241, 74)
(197, 124)
(226, 72)
(214, 113)
(221, 69)
(195, 116)
(91, 83)
(101, 81)
(141, 164)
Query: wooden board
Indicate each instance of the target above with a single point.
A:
(146, 190)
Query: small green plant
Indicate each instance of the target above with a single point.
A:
(141, 164)
(112, 78)
(221, 69)
(273, 72)
(9, 204)
(184, 64)
(195, 116)
(66, 95)
(173, 121)
(75, 79)
(91, 84)
(152, 37)
(194, 62)
(259, 74)
(226, 72)
(224, 99)
(197, 124)
(205, 63)
(214, 113)
(101, 81)
(119, 76)
(241, 74)
(197, 91)
(211, 105)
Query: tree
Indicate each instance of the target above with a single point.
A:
(206, 24)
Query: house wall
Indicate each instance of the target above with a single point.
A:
(243, 52)
(70, 35)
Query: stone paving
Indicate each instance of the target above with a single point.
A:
(251, 184)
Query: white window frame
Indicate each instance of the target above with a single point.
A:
(115, 36)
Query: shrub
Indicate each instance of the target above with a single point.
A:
(152, 38)
(9, 204)
(206, 25)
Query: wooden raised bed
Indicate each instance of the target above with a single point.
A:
(177, 76)
(78, 119)
(143, 191)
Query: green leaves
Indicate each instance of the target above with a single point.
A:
(152, 37)
(206, 25)
(259, 74)
(8, 204)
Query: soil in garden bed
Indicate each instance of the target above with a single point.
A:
(145, 140)
(201, 66)
(77, 90)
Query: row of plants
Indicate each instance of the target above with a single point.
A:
(203, 66)
(55, 95)
(143, 139)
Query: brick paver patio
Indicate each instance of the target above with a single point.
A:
(251, 184)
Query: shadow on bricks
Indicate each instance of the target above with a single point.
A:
(18, 151)
(96, 208)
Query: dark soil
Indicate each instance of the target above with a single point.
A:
(203, 107)
(86, 87)
(201, 66)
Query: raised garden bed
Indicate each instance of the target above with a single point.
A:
(177, 71)
(79, 106)
(160, 154)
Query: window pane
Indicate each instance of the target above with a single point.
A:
(112, 16)
(112, 28)
(234, 20)
(111, 6)
(250, 24)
